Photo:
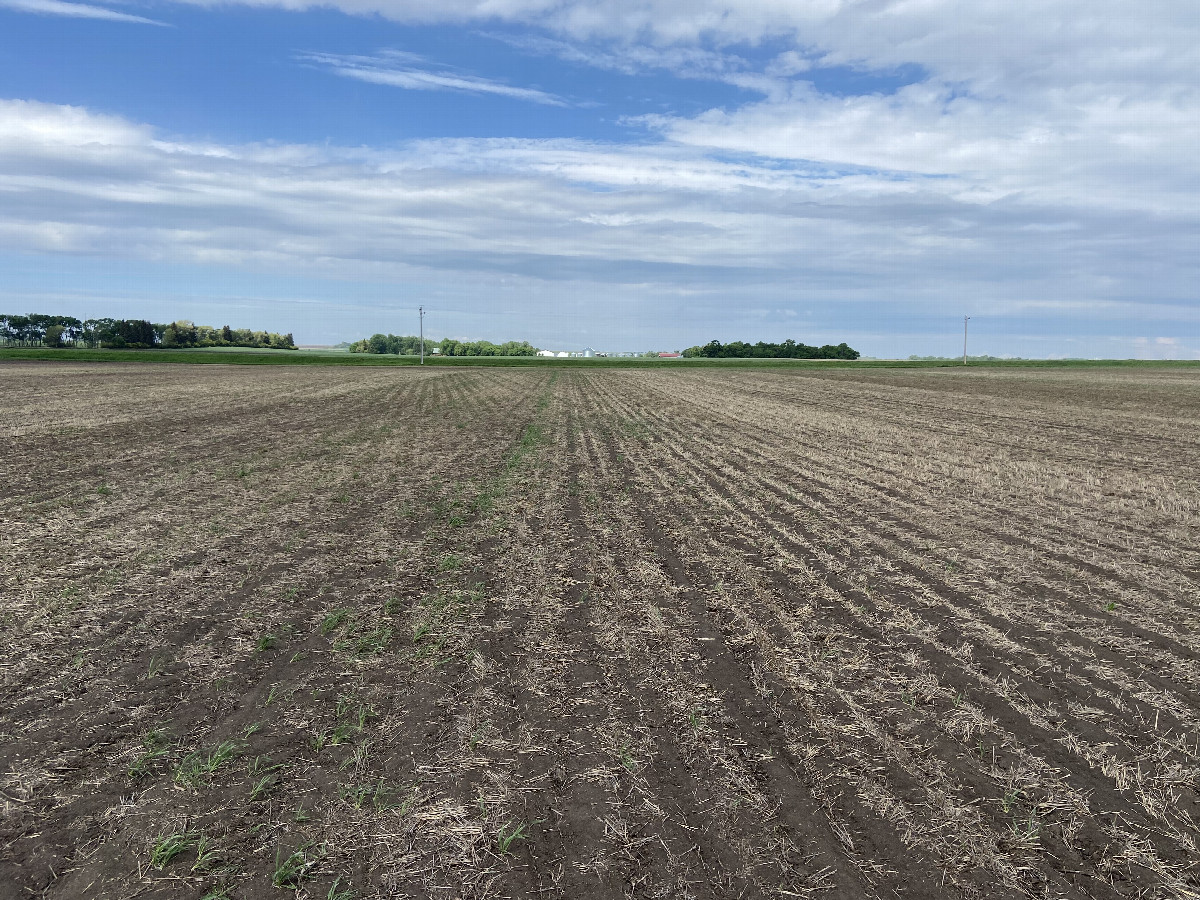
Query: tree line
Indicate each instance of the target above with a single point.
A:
(410, 345)
(788, 349)
(39, 330)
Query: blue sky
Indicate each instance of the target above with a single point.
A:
(623, 174)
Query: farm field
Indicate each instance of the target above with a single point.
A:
(599, 633)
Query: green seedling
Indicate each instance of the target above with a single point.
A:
(626, 758)
(104, 490)
(290, 870)
(337, 892)
(252, 728)
(207, 856)
(392, 606)
(266, 642)
(477, 737)
(510, 834)
(197, 768)
(358, 758)
(376, 795)
(169, 846)
(365, 643)
(261, 765)
(262, 769)
(220, 892)
(331, 737)
(333, 620)
(1009, 801)
(355, 711)
(449, 563)
(261, 787)
(156, 747)
(1024, 831)
(155, 668)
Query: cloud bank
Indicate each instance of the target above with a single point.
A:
(1037, 159)
(672, 215)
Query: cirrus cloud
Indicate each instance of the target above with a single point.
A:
(412, 72)
(74, 11)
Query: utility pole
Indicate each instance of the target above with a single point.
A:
(421, 316)
(966, 319)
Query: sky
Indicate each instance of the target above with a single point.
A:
(620, 174)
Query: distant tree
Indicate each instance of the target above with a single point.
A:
(14, 329)
(55, 331)
(26, 329)
(788, 349)
(93, 331)
(140, 333)
(38, 323)
(410, 345)
(517, 348)
(119, 333)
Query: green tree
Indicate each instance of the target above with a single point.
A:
(180, 334)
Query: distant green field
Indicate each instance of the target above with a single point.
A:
(243, 356)
(271, 350)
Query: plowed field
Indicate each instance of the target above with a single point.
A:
(599, 634)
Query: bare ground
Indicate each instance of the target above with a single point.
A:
(646, 634)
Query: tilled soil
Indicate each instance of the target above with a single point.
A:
(607, 633)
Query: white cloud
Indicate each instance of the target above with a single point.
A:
(631, 59)
(1042, 164)
(33, 127)
(74, 10)
(668, 217)
(398, 69)
(1080, 102)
